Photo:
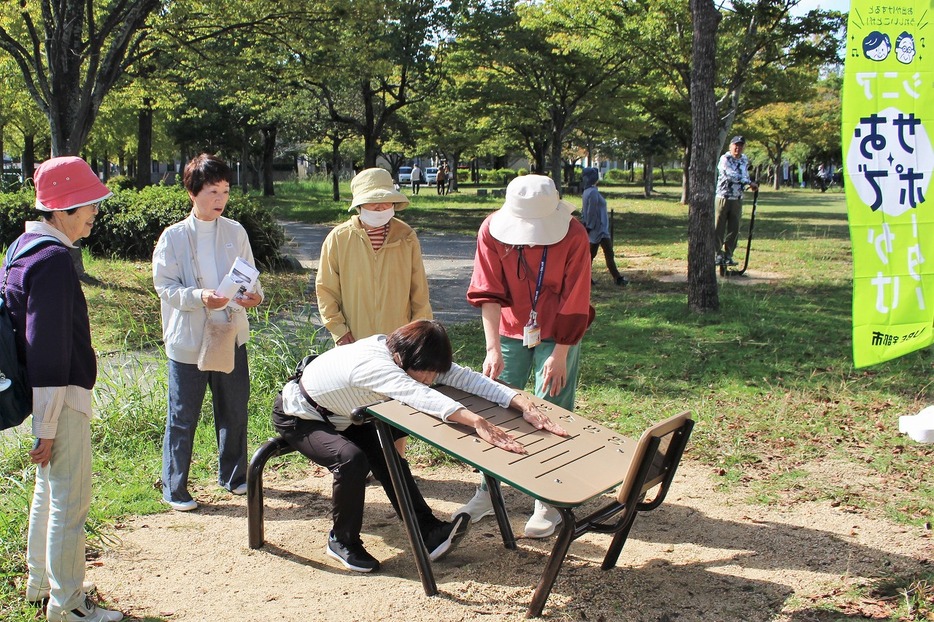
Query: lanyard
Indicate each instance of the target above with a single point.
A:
(538, 285)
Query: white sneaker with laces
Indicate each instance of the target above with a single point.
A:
(543, 521)
(479, 506)
(85, 612)
(239, 490)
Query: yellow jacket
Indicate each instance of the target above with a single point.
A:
(366, 292)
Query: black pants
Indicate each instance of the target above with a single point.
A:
(415, 186)
(349, 455)
(607, 245)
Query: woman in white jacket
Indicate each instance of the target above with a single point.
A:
(189, 262)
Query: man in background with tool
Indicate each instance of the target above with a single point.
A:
(732, 175)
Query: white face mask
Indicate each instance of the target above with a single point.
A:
(376, 219)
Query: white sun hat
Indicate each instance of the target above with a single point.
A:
(533, 213)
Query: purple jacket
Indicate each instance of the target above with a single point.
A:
(50, 315)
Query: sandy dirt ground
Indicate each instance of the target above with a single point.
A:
(704, 555)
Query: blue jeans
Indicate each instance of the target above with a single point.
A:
(520, 362)
(230, 394)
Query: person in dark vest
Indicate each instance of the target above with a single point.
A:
(50, 314)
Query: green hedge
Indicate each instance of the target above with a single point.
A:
(129, 223)
(15, 209)
(497, 177)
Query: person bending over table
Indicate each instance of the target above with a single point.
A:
(313, 414)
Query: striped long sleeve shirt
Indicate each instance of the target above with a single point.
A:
(364, 372)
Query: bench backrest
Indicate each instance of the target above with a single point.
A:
(655, 460)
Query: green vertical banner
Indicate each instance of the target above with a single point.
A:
(888, 104)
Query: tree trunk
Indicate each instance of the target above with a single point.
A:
(648, 176)
(144, 150)
(335, 167)
(685, 178)
(556, 162)
(370, 151)
(702, 277)
(455, 162)
(243, 165)
(778, 170)
(269, 154)
(29, 156)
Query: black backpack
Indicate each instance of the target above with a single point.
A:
(15, 392)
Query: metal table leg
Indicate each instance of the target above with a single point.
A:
(499, 508)
(394, 462)
(558, 553)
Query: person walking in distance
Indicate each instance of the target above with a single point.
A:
(596, 221)
(416, 178)
(441, 181)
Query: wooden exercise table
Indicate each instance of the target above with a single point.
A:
(562, 471)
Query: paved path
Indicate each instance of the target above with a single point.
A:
(448, 263)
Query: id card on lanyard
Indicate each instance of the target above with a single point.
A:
(532, 332)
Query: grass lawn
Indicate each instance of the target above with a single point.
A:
(769, 378)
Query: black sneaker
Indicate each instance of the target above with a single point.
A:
(443, 537)
(622, 281)
(728, 260)
(353, 556)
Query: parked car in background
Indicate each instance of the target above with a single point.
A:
(405, 175)
(431, 175)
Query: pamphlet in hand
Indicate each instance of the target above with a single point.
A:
(240, 280)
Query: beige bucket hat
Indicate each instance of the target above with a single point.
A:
(532, 214)
(374, 185)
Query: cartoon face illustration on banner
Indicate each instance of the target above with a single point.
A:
(890, 161)
(905, 48)
(877, 45)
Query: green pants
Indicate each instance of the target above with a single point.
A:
(521, 362)
(729, 212)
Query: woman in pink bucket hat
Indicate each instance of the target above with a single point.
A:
(531, 280)
(50, 315)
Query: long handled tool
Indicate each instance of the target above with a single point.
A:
(724, 271)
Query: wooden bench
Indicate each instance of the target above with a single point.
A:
(565, 472)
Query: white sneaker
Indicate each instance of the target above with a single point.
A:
(183, 506)
(239, 490)
(36, 595)
(543, 521)
(479, 506)
(86, 612)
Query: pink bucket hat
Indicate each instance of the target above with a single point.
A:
(532, 214)
(67, 182)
